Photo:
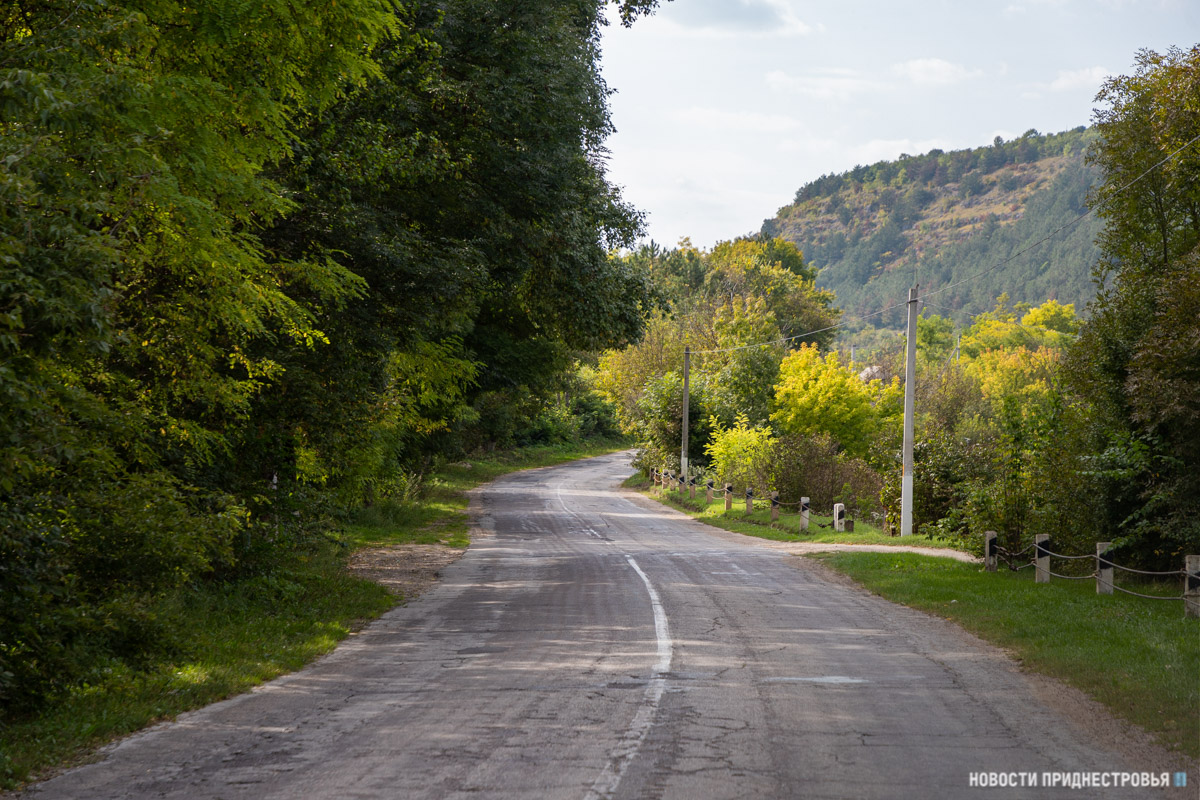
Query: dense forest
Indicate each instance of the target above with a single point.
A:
(259, 264)
(938, 218)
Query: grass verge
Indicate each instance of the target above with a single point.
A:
(759, 524)
(223, 638)
(216, 640)
(1136, 656)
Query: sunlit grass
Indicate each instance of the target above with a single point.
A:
(1139, 657)
(224, 639)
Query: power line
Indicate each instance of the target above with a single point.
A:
(787, 339)
(992, 268)
(1062, 228)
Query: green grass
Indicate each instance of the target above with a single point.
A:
(221, 639)
(224, 638)
(759, 524)
(1137, 656)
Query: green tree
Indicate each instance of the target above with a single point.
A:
(1132, 362)
(741, 455)
(818, 394)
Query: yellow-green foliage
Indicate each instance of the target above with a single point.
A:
(741, 455)
(818, 394)
(1021, 373)
(1052, 324)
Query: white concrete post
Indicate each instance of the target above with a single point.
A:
(910, 399)
(839, 517)
(1191, 586)
(683, 455)
(1104, 569)
(1042, 551)
(803, 513)
(989, 551)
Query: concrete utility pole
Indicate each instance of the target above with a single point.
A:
(910, 397)
(687, 361)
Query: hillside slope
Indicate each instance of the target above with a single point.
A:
(941, 218)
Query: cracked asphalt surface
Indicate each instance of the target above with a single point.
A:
(594, 644)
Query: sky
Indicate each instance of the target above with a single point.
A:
(724, 108)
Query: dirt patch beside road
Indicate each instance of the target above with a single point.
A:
(405, 570)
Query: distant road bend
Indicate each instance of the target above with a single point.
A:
(592, 644)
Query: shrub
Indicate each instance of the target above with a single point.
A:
(741, 455)
(813, 466)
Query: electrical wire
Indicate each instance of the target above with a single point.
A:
(787, 339)
(1063, 227)
(941, 289)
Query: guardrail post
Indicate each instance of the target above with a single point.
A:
(839, 517)
(990, 553)
(1104, 569)
(708, 487)
(803, 513)
(729, 497)
(1191, 586)
(749, 500)
(1042, 551)
(692, 487)
(774, 506)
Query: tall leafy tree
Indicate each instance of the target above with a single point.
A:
(1135, 359)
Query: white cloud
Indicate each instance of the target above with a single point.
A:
(934, 72)
(826, 84)
(890, 149)
(841, 155)
(725, 19)
(1086, 78)
(739, 121)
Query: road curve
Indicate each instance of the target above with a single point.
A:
(593, 644)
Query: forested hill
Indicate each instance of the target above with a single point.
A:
(941, 217)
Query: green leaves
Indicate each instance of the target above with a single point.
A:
(244, 240)
(817, 394)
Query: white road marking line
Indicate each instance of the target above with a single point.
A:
(623, 754)
(817, 679)
(627, 748)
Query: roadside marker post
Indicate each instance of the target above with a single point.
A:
(1042, 548)
(990, 555)
(1104, 569)
(1191, 586)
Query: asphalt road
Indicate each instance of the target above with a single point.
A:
(592, 644)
